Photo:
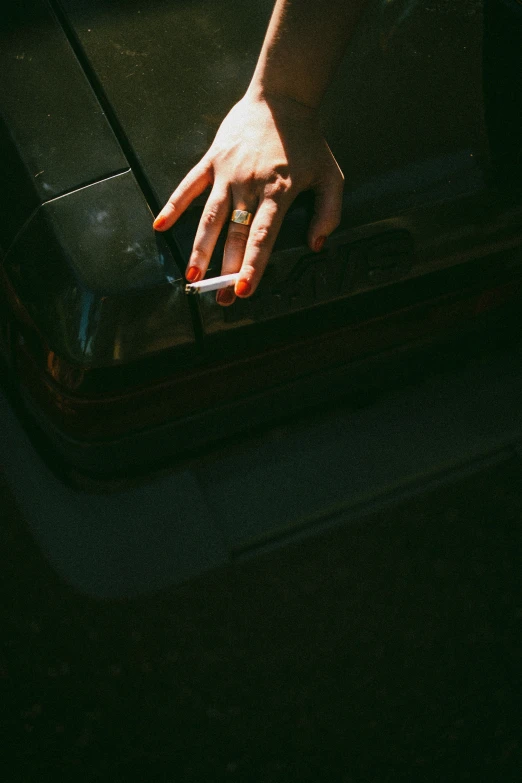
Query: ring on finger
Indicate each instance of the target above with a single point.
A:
(242, 216)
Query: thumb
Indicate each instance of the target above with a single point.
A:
(327, 209)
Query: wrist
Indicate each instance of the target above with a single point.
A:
(280, 99)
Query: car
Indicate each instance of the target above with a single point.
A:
(105, 106)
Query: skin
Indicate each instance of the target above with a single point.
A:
(270, 147)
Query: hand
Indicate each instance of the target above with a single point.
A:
(266, 151)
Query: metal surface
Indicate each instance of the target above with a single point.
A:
(294, 480)
(170, 71)
(54, 136)
(96, 281)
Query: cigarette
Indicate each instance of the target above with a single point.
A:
(212, 284)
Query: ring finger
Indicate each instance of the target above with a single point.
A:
(237, 238)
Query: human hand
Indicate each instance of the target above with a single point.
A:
(266, 151)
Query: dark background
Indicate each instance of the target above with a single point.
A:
(385, 650)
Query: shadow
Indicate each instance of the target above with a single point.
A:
(502, 74)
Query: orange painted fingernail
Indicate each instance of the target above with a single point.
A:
(226, 296)
(319, 244)
(192, 274)
(159, 222)
(243, 288)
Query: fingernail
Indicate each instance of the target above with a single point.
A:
(319, 244)
(243, 288)
(159, 222)
(226, 296)
(192, 274)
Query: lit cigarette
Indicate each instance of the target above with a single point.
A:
(212, 284)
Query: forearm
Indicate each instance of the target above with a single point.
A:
(303, 45)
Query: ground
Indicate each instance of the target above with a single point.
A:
(385, 650)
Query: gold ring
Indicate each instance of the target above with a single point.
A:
(242, 216)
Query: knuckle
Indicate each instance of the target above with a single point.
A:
(278, 189)
(334, 220)
(210, 216)
(198, 255)
(250, 272)
(236, 239)
(281, 171)
(259, 235)
(248, 180)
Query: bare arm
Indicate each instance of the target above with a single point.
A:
(303, 46)
(270, 147)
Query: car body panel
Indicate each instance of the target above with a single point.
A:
(54, 136)
(404, 93)
(95, 280)
(107, 353)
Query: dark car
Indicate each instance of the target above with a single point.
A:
(105, 105)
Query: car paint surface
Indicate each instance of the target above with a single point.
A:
(54, 136)
(106, 108)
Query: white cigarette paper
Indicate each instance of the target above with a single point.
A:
(212, 284)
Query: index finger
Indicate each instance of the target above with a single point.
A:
(192, 186)
(263, 234)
